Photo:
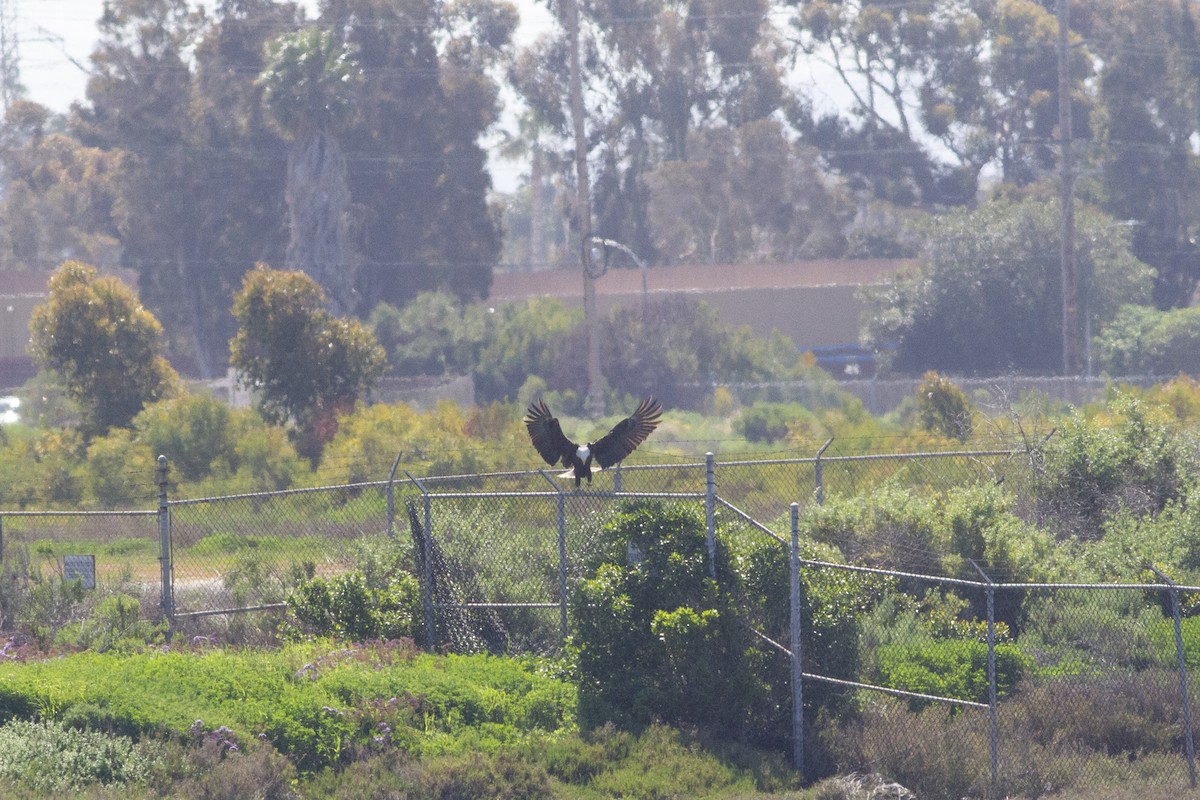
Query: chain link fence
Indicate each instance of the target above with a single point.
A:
(950, 686)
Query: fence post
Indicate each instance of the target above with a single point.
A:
(164, 545)
(797, 664)
(391, 497)
(820, 490)
(427, 563)
(562, 555)
(1, 540)
(1190, 747)
(710, 510)
(993, 724)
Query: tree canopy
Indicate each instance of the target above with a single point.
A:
(303, 363)
(986, 294)
(93, 331)
(354, 145)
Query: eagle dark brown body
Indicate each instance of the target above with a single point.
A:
(554, 447)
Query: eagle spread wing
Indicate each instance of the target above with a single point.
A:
(627, 434)
(548, 439)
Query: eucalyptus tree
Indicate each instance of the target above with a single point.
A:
(58, 196)
(429, 90)
(1147, 126)
(748, 194)
(138, 104)
(932, 91)
(308, 85)
(658, 72)
(197, 173)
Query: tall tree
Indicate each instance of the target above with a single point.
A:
(93, 331)
(1147, 126)
(747, 195)
(60, 198)
(934, 91)
(985, 297)
(416, 167)
(309, 80)
(242, 180)
(138, 104)
(304, 364)
(658, 71)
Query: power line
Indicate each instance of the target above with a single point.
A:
(10, 71)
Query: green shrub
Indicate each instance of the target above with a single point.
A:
(378, 599)
(1146, 341)
(943, 408)
(115, 618)
(655, 637)
(1132, 456)
(346, 607)
(32, 602)
(196, 432)
(769, 422)
(834, 605)
(1071, 632)
(953, 668)
(50, 757)
(434, 334)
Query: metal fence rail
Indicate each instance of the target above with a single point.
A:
(1107, 668)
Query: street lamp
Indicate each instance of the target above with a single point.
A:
(614, 244)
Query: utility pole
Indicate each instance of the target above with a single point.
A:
(10, 70)
(583, 209)
(1070, 280)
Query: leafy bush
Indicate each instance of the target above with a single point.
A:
(196, 433)
(1144, 340)
(943, 408)
(50, 757)
(655, 637)
(891, 527)
(1131, 456)
(346, 607)
(955, 668)
(33, 602)
(769, 422)
(445, 440)
(434, 334)
(114, 619)
(540, 337)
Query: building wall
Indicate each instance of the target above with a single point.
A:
(20, 293)
(812, 302)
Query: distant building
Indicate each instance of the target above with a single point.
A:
(20, 292)
(812, 302)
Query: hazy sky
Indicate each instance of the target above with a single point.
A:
(55, 33)
(56, 38)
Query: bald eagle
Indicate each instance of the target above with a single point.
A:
(553, 446)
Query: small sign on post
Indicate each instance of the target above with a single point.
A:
(80, 568)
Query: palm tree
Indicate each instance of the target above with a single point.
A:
(308, 89)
